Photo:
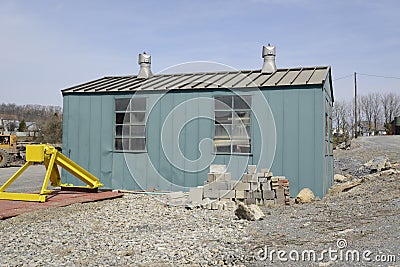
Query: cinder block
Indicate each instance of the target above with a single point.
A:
(174, 195)
(265, 186)
(270, 174)
(223, 176)
(239, 194)
(265, 170)
(280, 178)
(246, 177)
(260, 175)
(242, 186)
(211, 177)
(207, 186)
(231, 184)
(214, 205)
(259, 201)
(257, 194)
(219, 185)
(275, 178)
(249, 177)
(254, 186)
(249, 201)
(262, 179)
(268, 194)
(211, 194)
(228, 194)
(217, 168)
(284, 184)
(280, 196)
(252, 169)
(196, 194)
(286, 191)
(248, 194)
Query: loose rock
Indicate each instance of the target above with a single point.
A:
(339, 178)
(250, 213)
(305, 196)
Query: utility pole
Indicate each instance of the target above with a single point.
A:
(355, 104)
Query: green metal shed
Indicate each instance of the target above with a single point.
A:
(163, 131)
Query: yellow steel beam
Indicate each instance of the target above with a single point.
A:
(15, 176)
(55, 177)
(77, 171)
(23, 196)
(48, 174)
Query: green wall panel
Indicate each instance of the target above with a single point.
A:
(298, 114)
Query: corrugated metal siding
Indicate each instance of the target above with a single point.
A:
(299, 118)
(328, 160)
(88, 135)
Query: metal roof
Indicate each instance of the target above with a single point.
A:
(205, 80)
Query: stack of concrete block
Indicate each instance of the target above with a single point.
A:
(261, 188)
(257, 187)
(219, 184)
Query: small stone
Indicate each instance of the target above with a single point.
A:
(339, 178)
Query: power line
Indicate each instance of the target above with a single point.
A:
(371, 75)
(380, 76)
(344, 77)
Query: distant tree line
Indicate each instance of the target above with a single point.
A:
(374, 111)
(48, 120)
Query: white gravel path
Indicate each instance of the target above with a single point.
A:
(139, 230)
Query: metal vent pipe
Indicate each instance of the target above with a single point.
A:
(268, 54)
(145, 66)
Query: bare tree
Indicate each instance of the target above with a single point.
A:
(375, 99)
(391, 107)
(52, 130)
(366, 108)
(336, 110)
(350, 116)
(340, 115)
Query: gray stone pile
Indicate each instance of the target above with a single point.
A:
(220, 191)
(377, 164)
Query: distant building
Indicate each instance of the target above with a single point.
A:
(8, 123)
(395, 126)
(364, 129)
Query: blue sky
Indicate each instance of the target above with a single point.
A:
(50, 45)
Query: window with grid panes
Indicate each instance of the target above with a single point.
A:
(130, 124)
(232, 124)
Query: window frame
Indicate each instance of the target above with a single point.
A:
(120, 126)
(232, 115)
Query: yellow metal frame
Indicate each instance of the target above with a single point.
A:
(51, 159)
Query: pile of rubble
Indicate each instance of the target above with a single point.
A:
(377, 167)
(345, 145)
(221, 192)
(377, 164)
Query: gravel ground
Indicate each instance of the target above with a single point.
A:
(139, 230)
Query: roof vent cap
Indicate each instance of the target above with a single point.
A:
(268, 54)
(145, 66)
